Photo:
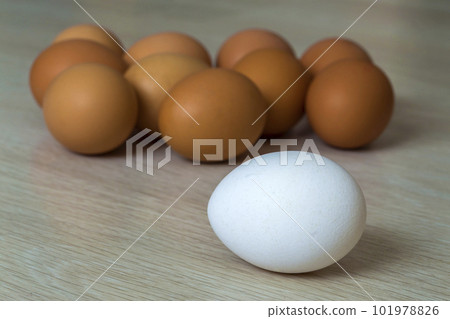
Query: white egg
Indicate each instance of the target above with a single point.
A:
(289, 217)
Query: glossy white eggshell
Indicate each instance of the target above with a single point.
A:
(288, 218)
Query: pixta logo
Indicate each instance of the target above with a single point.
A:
(139, 142)
(217, 144)
(144, 138)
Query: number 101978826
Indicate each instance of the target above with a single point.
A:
(405, 310)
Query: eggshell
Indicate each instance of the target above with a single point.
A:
(167, 42)
(350, 103)
(343, 49)
(246, 41)
(167, 69)
(91, 32)
(279, 217)
(90, 108)
(223, 102)
(273, 71)
(65, 54)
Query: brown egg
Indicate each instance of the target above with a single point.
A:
(224, 103)
(244, 42)
(167, 42)
(343, 49)
(90, 32)
(167, 69)
(62, 55)
(90, 108)
(349, 103)
(274, 71)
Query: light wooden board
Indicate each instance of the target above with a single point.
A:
(65, 218)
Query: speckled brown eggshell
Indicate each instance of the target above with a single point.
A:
(91, 32)
(62, 55)
(246, 41)
(167, 69)
(273, 71)
(343, 49)
(90, 108)
(350, 103)
(167, 42)
(223, 102)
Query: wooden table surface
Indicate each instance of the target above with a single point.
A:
(65, 218)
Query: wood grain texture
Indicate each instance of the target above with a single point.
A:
(65, 218)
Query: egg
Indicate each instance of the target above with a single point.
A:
(90, 32)
(273, 71)
(65, 54)
(90, 108)
(167, 69)
(167, 42)
(288, 218)
(350, 103)
(246, 41)
(341, 50)
(223, 105)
